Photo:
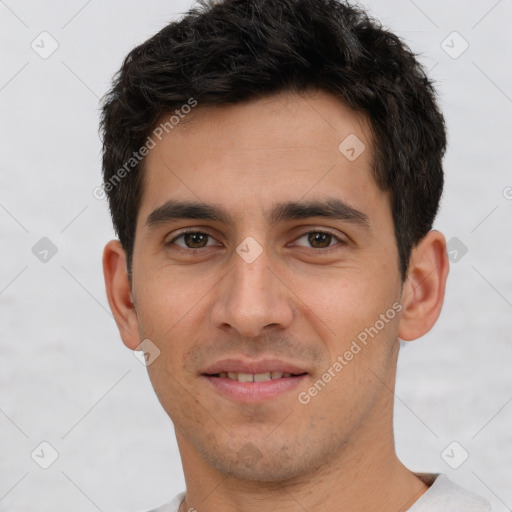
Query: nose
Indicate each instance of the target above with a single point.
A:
(252, 298)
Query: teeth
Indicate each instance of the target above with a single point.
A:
(261, 377)
(253, 377)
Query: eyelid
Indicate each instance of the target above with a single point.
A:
(185, 231)
(343, 240)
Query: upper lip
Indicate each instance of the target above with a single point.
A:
(245, 366)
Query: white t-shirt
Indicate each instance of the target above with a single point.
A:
(442, 496)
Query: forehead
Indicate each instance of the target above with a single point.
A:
(252, 155)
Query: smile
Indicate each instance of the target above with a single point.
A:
(254, 388)
(253, 377)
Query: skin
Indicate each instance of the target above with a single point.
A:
(296, 301)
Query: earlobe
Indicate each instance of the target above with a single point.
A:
(119, 293)
(423, 291)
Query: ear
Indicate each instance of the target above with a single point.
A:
(119, 293)
(423, 290)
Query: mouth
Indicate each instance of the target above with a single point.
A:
(255, 377)
(253, 382)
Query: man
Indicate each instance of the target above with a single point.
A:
(274, 169)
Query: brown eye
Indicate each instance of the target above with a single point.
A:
(319, 239)
(323, 239)
(192, 240)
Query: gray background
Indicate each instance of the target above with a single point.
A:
(65, 376)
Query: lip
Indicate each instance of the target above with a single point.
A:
(254, 392)
(244, 366)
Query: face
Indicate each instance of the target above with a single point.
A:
(279, 263)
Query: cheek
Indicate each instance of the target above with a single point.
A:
(169, 316)
(166, 300)
(351, 306)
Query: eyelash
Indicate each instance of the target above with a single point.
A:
(312, 249)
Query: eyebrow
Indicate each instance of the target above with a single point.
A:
(331, 208)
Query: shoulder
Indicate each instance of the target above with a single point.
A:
(172, 506)
(446, 496)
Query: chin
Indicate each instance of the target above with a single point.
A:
(263, 462)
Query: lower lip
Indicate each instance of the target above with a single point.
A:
(255, 391)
